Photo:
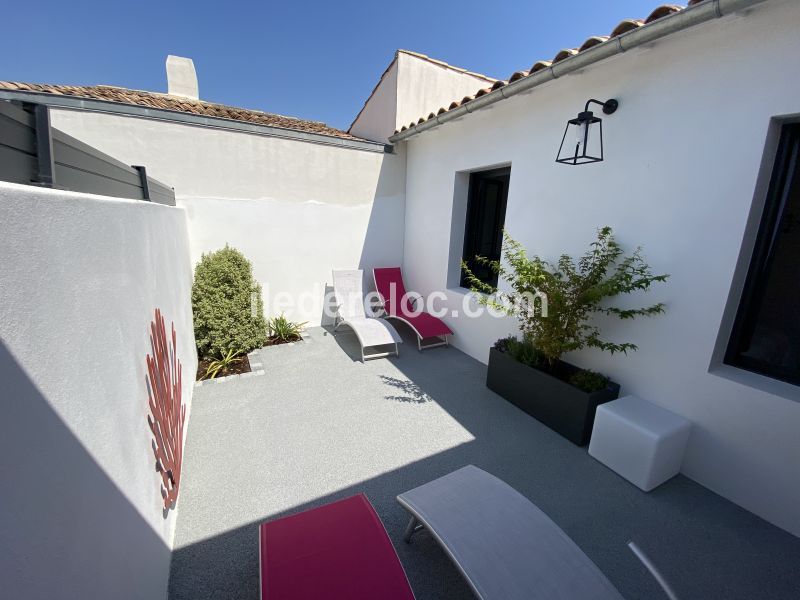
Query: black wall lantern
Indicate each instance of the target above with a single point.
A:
(587, 132)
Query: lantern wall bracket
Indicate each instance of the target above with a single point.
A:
(609, 106)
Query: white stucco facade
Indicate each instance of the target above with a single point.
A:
(682, 171)
(424, 86)
(378, 117)
(80, 279)
(412, 86)
(296, 209)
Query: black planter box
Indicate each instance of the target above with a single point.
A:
(559, 405)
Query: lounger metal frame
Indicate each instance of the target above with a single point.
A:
(442, 341)
(339, 320)
(420, 346)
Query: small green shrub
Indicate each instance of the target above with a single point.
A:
(281, 330)
(217, 366)
(589, 381)
(221, 303)
(525, 351)
(522, 351)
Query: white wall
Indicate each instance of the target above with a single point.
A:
(80, 278)
(423, 86)
(683, 157)
(296, 209)
(412, 86)
(377, 119)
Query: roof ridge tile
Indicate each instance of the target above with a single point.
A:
(442, 63)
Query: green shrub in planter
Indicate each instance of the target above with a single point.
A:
(525, 352)
(224, 320)
(554, 304)
(575, 292)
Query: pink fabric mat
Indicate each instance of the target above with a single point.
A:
(337, 551)
(389, 283)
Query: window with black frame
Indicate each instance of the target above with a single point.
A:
(766, 334)
(486, 213)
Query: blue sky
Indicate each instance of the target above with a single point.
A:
(315, 60)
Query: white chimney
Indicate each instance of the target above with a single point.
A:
(181, 77)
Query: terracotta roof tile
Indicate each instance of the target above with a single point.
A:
(626, 26)
(623, 27)
(167, 102)
(663, 11)
(539, 65)
(565, 53)
(593, 41)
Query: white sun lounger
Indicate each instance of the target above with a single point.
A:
(505, 547)
(370, 331)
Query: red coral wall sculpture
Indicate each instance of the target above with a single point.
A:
(167, 413)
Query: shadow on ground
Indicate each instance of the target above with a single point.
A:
(320, 427)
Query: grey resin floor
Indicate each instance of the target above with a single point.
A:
(319, 426)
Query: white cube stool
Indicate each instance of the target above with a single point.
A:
(641, 441)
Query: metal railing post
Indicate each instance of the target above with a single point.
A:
(145, 183)
(45, 170)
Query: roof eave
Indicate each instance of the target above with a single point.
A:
(164, 114)
(679, 21)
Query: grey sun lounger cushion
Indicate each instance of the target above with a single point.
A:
(370, 331)
(505, 546)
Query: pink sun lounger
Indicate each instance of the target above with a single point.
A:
(339, 551)
(398, 305)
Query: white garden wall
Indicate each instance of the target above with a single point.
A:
(683, 157)
(296, 209)
(80, 278)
